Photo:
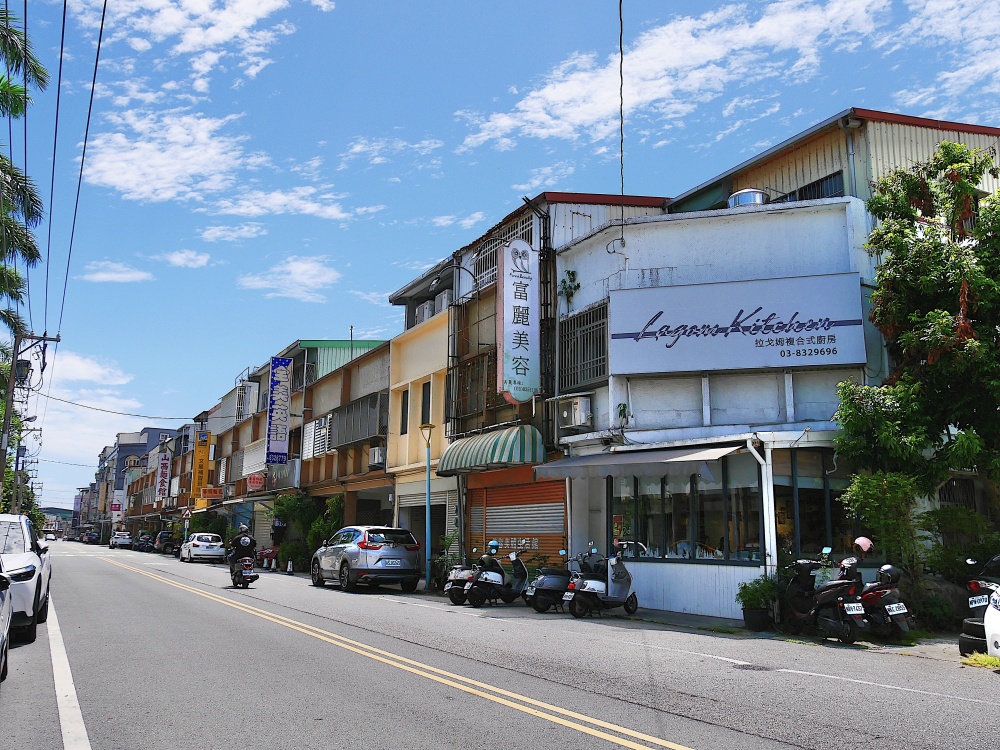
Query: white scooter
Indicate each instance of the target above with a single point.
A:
(604, 584)
(489, 583)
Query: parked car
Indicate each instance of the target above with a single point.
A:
(92, 537)
(120, 540)
(165, 542)
(50, 537)
(6, 612)
(26, 562)
(991, 625)
(203, 546)
(372, 555)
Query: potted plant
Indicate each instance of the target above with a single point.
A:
(757, 597)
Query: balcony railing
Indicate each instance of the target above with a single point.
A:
(583, 353)
(360, 420)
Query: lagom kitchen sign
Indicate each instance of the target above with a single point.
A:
(802, 321)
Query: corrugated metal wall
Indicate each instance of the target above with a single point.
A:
(808, 163)
(519, 516)
(697, 589)
(572, 220)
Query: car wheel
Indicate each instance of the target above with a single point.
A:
(457, 596)
(974, 626)
(43, 613)
(346, 584)
(29, 632)
(315, 575)
(6, 658)
(578, 607)
(408, 586)
(476, 597)
(631, 604)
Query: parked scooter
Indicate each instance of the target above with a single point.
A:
(885, 614)
(605, 586)
(243, 573)
(458, 576)
(832, 609)
(547, 588)
(982, 586)
(489, 582)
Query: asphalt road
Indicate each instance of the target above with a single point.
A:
(167, 655)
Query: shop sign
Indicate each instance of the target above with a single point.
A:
(163, 477)
(283, 477)
(255, 482)
(801, 321)
(278, 404)
(199, 474)
(518, 358)
(211, 493)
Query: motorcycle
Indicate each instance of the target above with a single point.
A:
(454, 586)
(547, 588)
(831, 609)
(885, 614)
(243, 574)
(489, 583)
(982, 586)
(606, 585)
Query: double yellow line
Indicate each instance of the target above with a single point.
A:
(539, 709)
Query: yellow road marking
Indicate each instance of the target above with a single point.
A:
(426, 671)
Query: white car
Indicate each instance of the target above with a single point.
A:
(6, 611)
(203, 546)
(27, 563)
(991, 624)
(120, 539)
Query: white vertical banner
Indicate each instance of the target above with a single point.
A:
(163, 477)
(519, 375)
(278, 405)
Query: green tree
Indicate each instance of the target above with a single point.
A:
(937, 304)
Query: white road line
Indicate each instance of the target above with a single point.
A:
(74, 731)
(889, 687)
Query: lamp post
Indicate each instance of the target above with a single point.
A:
(425, 432)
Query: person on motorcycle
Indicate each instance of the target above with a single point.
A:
(240, 546)
(488, 560)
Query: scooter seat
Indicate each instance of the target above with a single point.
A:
(834, 584)
(553, 572)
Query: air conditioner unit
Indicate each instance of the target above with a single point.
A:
(443, 301)
(376, 458)
(425, 311)
(575, 413)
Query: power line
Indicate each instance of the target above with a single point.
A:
(55, 143)
(63, 463)
(111, 411)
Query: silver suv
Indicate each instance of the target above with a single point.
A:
(372, 555)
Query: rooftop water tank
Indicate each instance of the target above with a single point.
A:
(748, 197)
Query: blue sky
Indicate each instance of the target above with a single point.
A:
(261, 171)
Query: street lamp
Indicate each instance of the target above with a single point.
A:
(425, 432)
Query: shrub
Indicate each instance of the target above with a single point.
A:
(959, 533)
(760, 593)
(934, 612)
(297, 552)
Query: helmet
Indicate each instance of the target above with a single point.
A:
(243, 528)
(863, 545)
(888, 575)
(494, 546)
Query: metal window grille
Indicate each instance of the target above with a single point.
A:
(958, 491)
(362, 419)
(583, 355)
(831, 186)
(485, 263)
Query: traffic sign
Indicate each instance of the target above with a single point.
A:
(186, 514)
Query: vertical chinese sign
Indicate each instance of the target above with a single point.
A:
(518, 336)
(163, 477)
(278, 403)
(199, 475)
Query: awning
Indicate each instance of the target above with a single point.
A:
(633, 463)
(500, 449)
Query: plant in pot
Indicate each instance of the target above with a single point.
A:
(757, 597)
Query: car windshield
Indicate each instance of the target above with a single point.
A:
(390, 536)
(208, 538)
(11, 538)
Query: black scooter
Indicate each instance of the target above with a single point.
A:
(547, 588)
(243, 574)
(832, 609)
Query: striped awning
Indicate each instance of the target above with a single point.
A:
(500, 449)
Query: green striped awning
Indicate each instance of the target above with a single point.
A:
(500, 449)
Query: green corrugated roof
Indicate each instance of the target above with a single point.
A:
(513, 446)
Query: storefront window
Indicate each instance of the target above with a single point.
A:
(702, 511)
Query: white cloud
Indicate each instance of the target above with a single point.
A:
(672, 69)
(376, 298)
(164, 156)
(233, 234)
(299, 277)
(106, 270)
(546, 177)
(466, 222)
(308, 201)
(381, 150)
(73, 368)
(415, 265)
(186, 259)
(324, 5)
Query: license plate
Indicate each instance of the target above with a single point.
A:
(531, 590)
(979, 601)
(447, 586)
(896, 609)
(568, 596)
(393, 563)
(468, 586)
(854, 609)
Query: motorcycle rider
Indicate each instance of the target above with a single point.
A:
(242, 545)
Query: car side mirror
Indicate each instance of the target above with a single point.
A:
(325, 542)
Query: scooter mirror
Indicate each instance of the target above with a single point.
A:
(512, 556)
(827, 550)
(475, 549)
(562, 552)
(593, 550)
(971, 561)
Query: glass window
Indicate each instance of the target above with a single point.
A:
(743, 540)
(709, 533)
(404, 412)
(11, 538)
(649, 536)
(622, 494)
(425, 403)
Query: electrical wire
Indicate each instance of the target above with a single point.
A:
(621, 112)
(55, 143)
(112, 411)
